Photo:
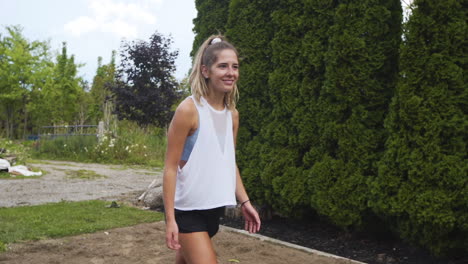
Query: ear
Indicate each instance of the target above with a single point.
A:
(204, 71)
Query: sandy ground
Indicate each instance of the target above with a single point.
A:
(142, 243)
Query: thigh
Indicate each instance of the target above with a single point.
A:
(197, 248)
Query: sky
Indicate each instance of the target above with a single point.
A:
(94, 28)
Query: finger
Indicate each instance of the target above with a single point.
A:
(176, 240)
(246, 225)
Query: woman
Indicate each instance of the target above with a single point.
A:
(200, 174)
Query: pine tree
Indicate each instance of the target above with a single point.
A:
(422, 186)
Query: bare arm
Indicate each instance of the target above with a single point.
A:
(184, 121)
(252, 220)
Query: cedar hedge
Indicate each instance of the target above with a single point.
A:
(351, 114)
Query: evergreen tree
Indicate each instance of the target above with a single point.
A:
(360, 77)
(250, 30)
(211, 19)
(422, 188)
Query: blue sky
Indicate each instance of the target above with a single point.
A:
(94, 28)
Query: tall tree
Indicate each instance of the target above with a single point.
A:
(145, 90)
(422, 186)
(249, 28)
(20, 61)
(100, 89)
(211, 19)
(360, 78)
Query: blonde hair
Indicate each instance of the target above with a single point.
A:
(207, 55)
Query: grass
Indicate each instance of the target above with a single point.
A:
(66, 219)
(8, 176)
(84, 174)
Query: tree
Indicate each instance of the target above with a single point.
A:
(145, 90)
(422, 185)
(211, 19)
(100, 89)
(20, 63)
(250, 29)
(360, 78)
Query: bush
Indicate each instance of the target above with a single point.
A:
(130, 144)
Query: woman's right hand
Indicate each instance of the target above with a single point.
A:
(172, 235)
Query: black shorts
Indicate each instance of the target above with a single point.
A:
(199, 220)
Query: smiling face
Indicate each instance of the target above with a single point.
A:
(223, 74)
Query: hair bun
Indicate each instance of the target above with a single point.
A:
(215, 40)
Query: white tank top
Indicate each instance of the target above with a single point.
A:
(208, 179)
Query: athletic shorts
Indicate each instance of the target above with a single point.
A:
(199, 220)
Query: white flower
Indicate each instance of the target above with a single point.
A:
(126, 148)
(144, 147)
(64, 145)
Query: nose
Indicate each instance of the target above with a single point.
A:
(230, 71)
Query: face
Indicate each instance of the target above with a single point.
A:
(223, 74)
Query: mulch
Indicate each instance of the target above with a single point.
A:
(364, 247)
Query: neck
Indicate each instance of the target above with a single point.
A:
(216, 100)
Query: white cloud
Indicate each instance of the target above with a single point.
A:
(81, 25)
(115, 17)
(120, 28)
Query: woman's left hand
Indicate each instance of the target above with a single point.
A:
(252, 220)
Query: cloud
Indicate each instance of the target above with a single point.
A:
(114, 17)
(81, 25)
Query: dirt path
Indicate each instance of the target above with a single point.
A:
(142, 243)
(145, 244)
(57, 185)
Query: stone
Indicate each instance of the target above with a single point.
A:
(152, 197)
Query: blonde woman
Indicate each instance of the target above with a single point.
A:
(201, 177)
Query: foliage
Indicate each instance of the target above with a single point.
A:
(21, 64)
(66, 219)
(359, 79)
(21, 150)
(145, 90)
(100, 89)
(422, 184)
(211, 19)
(130, 144)
(249, 29)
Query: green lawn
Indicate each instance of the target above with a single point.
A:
(66, 218)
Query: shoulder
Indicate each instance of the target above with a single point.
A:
(186, 113)
(235, 114)
(186, 107)
(235, 117)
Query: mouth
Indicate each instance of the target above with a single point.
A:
(228, 82)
